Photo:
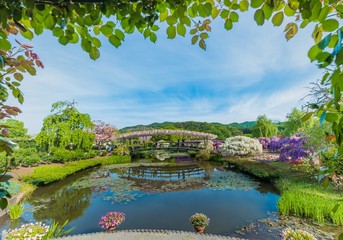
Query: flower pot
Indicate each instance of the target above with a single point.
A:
(199, 229)
(111, 228)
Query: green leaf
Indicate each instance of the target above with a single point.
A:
(306, 116)
(96, 42)
(193, 31)
(94, 53)
(289, 11)
(27, 34)
(228, 24)
(5, 44)
(243, 5)
(332, 117)
(64, 40)
(277, 19)
(322, 118)
(195, 39)
(171, 32)
(304, 23)
(225, 13)
(256, 3)
(208, 9)
(259, 17)
(119, 34)
(325, 41)
(171, 20)
(57, 32)
(203, 35)
(18, 76)
(234, 17)
(49, 22)
(106, 30)
(202, 44)
(153, 37)
(155, 28)
(163, 16)
(330, 25)
(181, 29)
(215, 12)
(96, 30)
(3, 203)
(339, 8)
(187, 21)
(114, 40)
(267, 10)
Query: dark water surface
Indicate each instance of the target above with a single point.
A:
(153, 198)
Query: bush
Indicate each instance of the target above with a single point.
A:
(65, 155)
(293, 148)
(203, 155)
(240, 146)
(48, 174)
(265, 142)
(333, 162)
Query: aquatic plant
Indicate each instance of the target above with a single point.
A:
(56, 230)
(28, 231)
(16, 210)
(289, 234)
(304, 200)
(199, 219)
(111, 220)
(240, 146)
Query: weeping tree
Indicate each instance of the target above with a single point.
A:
(66, 128)
(264, 127)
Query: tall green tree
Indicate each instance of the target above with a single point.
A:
(66, 128)
(16, 128)
(264, 127)
(294, 124)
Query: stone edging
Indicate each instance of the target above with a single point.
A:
(148, 231)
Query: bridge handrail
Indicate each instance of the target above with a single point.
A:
(165, 132)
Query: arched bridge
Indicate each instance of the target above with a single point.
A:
(143, 134)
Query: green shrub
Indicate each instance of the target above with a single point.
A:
(16, 211)
(203, 155)
(65, 155)
(49, 174)
(31, 160)
(334, 164)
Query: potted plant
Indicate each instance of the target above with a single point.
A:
(199, 221)
(111, 220)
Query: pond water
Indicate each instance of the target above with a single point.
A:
(153, 197)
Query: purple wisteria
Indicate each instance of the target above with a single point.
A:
(111, 220)
(265, 142)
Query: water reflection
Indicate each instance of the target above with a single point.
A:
(154, 197)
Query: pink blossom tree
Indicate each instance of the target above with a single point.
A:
(104, 132)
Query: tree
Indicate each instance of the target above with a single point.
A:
(16, 128)
(294, 124)
(104, 132)
(66, 128)
(264, 127)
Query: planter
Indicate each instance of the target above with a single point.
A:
(199, 229)
(111, 228)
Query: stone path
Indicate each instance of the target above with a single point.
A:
(147, 235)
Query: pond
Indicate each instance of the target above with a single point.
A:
(153, 197)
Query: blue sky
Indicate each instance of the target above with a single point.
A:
(245, 72)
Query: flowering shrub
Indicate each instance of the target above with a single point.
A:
(293, 148)
(28, 231)
(199, 219)
(289, 234)
(275, 144)
(112, 220)
(240, 146)
(265, 142)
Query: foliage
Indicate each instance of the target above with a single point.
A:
(66, 128)
(203, 155)
(199, 219)
(332, 161)
(49, 174)
(104, 132)
(112, 220)
(294, 124)
(293, 148)
(240, 146)
(289, 234)
(13, 187)
(121, 150)
(265, 142)
(26, 156)
(28, 231)
(16, 210)
(223, 131)
(65, 155)
(56, 230)
(25, 142)
(16, 128)
(264, 127)
(307, 200)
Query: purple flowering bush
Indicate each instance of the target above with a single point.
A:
(293, 148)
(112, 220)
(275, 144)
(265, 142)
